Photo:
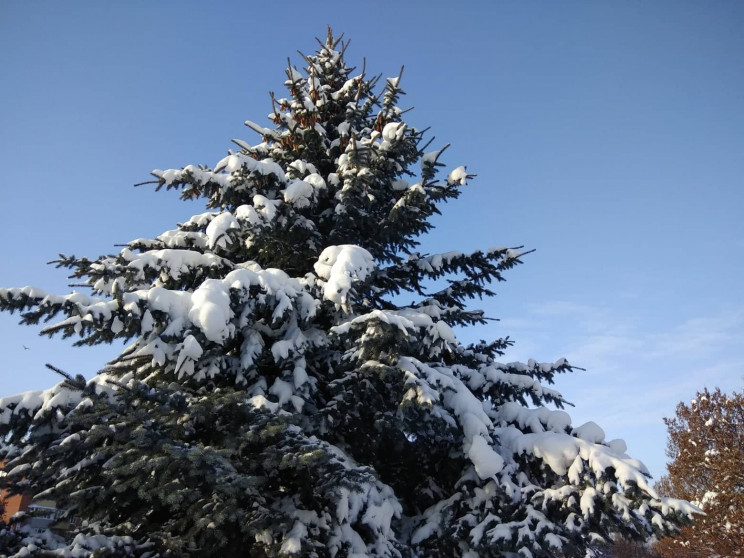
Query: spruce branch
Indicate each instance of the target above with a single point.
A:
(77, 382)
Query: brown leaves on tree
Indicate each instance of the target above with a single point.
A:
(706, 445)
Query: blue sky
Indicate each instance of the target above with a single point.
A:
(608, 136)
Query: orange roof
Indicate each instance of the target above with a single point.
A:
(12, 504)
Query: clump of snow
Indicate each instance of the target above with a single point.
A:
(189, 353)
(591, 432)
(298, 168)
(343, 129)
(301, 192)
(392, 133)
(430, 158)
(293, 541)
(168, 176)
(340, 267)
(247, 213)
(618, 446)
(211, 310)
(238, 161)
(441, 330)
(265, 207)
(260, 402)
(458, 176)
(315, 180)
(708, 499)
(218, 227)
(486, 461)
(587, 501)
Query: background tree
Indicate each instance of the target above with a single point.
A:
(294, 385)
(706, 445)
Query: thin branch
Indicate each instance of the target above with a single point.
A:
(344, 46)
(59, 371)
(305, 58)
(77, 382)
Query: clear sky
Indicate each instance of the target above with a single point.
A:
(609, 136)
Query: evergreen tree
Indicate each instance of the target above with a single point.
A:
(277, 398)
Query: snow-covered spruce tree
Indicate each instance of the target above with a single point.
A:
(277, 399)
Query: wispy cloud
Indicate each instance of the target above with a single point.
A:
(700, 336)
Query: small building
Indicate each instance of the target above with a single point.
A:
(40, 514)
(11, 505)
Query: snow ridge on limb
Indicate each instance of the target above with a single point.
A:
(278, 398)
